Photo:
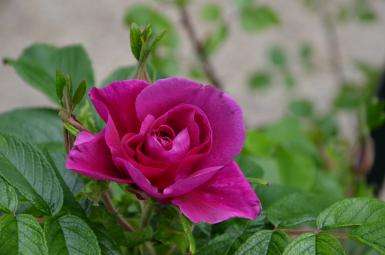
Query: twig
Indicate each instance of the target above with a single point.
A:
(120, 218)
(198, 47)
(332, 41)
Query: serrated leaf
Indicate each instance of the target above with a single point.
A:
(69, 235)
(107, 245)
(69, 181)
(264, 242)
(36, 125)
(351, 212)
(297, 208)
(8, 198)
(38, 63)
(24, 166)
(21, 235)
(312, 244)
(372, 234)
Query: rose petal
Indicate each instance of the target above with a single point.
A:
(228, 194)
(139, 179)
(186, 185)
(90, 156)
(118, 101)
(223, 113)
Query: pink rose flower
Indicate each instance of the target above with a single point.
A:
(175, 140)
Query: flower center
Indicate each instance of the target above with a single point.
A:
(164, 135)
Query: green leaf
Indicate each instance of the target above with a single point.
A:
(306, 56)
(264, 242)
(21, 235)
(139, 237)
(187, 228)
(38, 63)
(79, 93)
(24, 167)
(36, 125)
(351, 212)
(375, 115)
(250, 167)
(302, 107)
(107, 245)
(256, 18)
(135, 39)
(297, 208)
(260, 80)
(372, 234)
(142, 15)
(277, 56)
(69, 235)
(216, 39)
(69, 181)
(8, 198)
(220, 245)
(60, 84)
(350, 96)
(258, 143)
(312, 244)
(211, 12)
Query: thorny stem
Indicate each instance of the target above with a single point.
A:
(198, 47)
(69, 140)
(120, 218)
(146, 214)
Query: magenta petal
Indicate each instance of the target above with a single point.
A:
(118, 101)
(186, 185)
(223, 113)
(139, 179)
(90, 156)
(228, 194)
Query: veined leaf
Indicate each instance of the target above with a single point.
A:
(297, 208)
(372, 234)
(38, 63)
(69, 235)
(23, 166)
(36, 125)
(351, 212)
(8, 198)
(21, 235)
(265, 242)
(312, 244)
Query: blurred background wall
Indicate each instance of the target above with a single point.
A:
(98, 26)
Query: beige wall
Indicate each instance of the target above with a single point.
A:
(98, 26)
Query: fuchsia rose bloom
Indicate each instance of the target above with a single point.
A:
(175, 140)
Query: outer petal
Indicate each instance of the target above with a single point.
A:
(90, 156)
(139, 179)
(228, 194)
(223, 113)
(118, 101)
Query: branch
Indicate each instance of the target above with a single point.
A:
(120, 218)
(198, 47)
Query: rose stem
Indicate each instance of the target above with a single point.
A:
(120, 218)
